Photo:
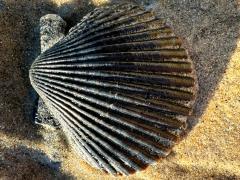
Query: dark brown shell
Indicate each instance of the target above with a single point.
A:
(121, 85)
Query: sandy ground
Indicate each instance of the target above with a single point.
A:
(210, 30)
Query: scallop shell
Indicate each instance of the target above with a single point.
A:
(121, 85)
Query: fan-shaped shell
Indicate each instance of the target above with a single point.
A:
(121, 85)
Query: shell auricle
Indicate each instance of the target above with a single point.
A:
(121, 85)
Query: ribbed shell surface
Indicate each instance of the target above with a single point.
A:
(121, 85)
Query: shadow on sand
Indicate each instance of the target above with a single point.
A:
(24, 163)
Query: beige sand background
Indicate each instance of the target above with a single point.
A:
(210, 29)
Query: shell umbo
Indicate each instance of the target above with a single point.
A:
(121, 85)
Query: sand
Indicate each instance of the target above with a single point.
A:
(211, 150)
